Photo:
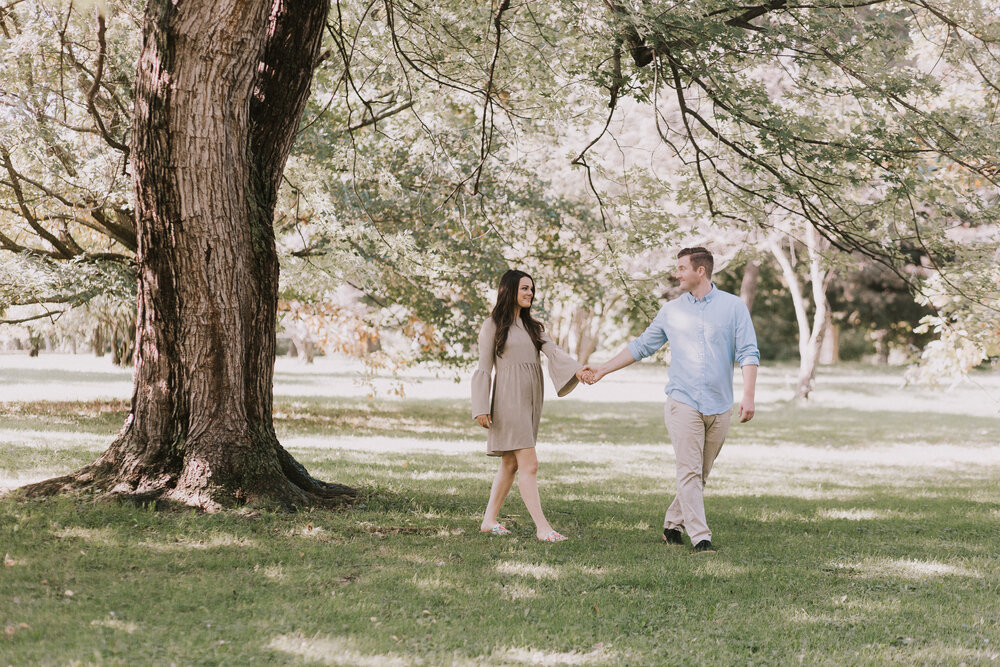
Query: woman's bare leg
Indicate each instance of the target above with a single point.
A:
(527, 483)
(501, 485)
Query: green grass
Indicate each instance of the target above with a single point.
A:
(564, 421)
(846, 537)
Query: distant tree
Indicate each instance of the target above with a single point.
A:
(867, 296)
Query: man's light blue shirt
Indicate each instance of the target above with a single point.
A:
(707, 336)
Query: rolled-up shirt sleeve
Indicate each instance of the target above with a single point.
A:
(651, 340)
(746, 339)
(482, 379)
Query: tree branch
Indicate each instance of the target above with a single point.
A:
(33, 317)
(282, 87)
(95, 88)
(388, 113)
(26, 212)
(486, 138)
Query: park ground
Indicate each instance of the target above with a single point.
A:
(862, 527)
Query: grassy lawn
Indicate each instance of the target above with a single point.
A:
(847, 535)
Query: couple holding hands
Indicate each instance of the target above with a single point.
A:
(709, 330)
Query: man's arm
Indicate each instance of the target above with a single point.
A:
(619, 361)
(651, 340)
(749, 388)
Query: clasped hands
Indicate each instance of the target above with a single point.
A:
(589, 374)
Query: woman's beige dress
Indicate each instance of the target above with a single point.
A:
(517, 400)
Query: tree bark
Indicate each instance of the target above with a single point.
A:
(585, 325)
(99, 341)
(829, 353)
(748, 287)
(220, 89)
(881, 339)
(810, 335)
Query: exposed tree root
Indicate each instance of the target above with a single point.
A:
(174, 482)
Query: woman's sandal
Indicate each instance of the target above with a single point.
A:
(553, 536)
(496, 530)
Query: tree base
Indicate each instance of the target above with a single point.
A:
(276, 480)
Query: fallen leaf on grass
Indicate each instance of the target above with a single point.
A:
(10, 630)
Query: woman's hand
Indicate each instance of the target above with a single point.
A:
(589, 374)
(484, 421)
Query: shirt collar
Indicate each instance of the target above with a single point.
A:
(708, 297)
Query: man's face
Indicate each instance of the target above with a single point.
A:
(687, 275)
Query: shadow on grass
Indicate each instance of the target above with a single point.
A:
(562, 422)
(405, 576)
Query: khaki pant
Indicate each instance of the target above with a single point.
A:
(697, 440)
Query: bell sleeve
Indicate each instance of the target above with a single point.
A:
(562, 367)
(483, 377)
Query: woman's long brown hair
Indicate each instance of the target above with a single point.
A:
(503, 311)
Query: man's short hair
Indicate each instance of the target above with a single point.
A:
(699, 257)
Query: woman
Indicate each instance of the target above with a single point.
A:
(509, 342)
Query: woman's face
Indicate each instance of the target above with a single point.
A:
(525, 292)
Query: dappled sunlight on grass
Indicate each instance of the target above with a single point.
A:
(452, 532)
(617, 524)
(100, 536)
(276, 572)
(517, 591)
(536, 571)
(857, 514)
(336, 651)
(721, 569)
(113, 623)
(309, 531)
(777, 515)
(756, 488)
(439, 474)
(868, 605)
(879, 568)
(185, 543)
(939, 652)
(432, 583)
(592, 497)
(835, 620)
(533, 656)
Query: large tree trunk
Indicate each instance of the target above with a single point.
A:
(220, 89)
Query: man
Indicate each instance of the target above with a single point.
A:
(708, 330)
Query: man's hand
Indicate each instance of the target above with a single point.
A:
(589, 374)
(484, 421)
(746, 409)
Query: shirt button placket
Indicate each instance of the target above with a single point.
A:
(704, 356)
